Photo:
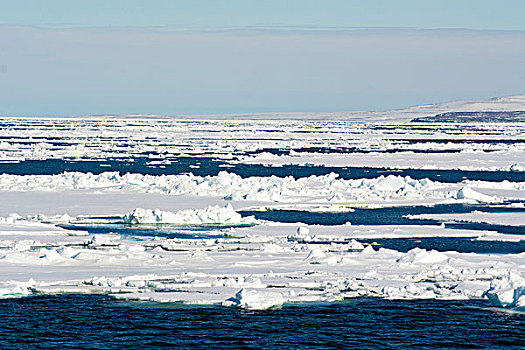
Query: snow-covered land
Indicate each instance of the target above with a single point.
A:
(178, 236)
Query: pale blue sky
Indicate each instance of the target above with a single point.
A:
(97, 57)
(472, 14)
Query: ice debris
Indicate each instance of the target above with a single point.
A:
(508, 291)
(232, 186)
(209, 215)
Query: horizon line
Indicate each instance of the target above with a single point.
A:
(270, 28)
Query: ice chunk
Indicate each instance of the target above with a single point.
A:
(131, 248)
(209, 215)
(302, 231)
(50, 255)
(469, 194)
(316, 253)
(391, 182)
(13, 291)
(422, 256)
(11, 219)
(516, 167)
(302, 234)
(255, 299)
(508, 291)
(103, 240)
(355, 245)
(368, 250)
(272, 248)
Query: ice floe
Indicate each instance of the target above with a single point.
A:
(211, 215)
(422, 256)
(317, 189)
(241, 264)
(260, 269)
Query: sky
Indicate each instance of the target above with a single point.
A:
(207, 57)
(471, 14)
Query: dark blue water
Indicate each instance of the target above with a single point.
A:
(395, 216)
(98, 322)
(210, 166)
(328, 150)
(377, 216)
(169, 231)
(389, 216)
(491, 141)
(444, 244)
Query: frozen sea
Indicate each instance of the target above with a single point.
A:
(162, 232)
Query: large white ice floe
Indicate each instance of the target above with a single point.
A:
(253, 299)
(230, 186)
(210, 215)
(508, 291)
(243, 272)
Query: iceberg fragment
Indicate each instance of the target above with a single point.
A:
(508, 291)
(255, 300)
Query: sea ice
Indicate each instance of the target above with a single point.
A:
(210, 215)
(255, 299)
(256, 266)
(422, 256)
(469, 194)
(508, 291)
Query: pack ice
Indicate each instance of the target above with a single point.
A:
(49, 241)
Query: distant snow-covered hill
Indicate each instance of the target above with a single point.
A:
(475, 117)
(515, 104)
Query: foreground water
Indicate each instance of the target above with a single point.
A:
(99, 322)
